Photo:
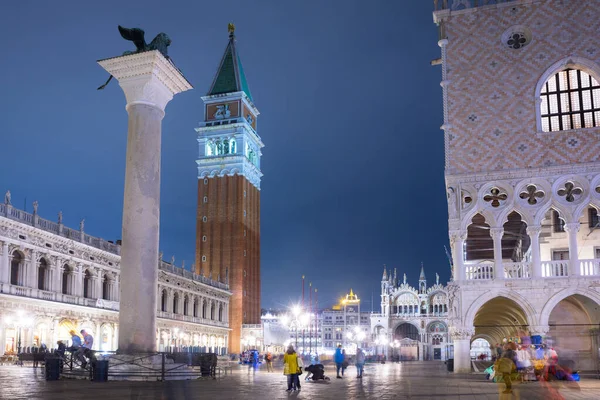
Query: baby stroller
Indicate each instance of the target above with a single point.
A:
(316, 372)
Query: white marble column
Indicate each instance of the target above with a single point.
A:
(4, 269)
(99, 282)
(497, 234)
(461, 338)
(58, 273)
(149, 81)
(573, 229)
(32, 274)
(536, 261)
(78, 280)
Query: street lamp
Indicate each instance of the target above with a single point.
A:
(19, 323)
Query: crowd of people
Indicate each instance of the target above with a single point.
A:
(527, 362)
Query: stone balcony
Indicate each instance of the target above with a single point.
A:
(485, 271)
(57, 228)
(58, 297)
(191, 319)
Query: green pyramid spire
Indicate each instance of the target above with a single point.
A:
(230, 76)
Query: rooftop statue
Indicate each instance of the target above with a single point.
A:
(136, 35)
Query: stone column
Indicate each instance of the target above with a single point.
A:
(149, 81)
(32, 274)
(573, 229)
(4, 269)
(595, 335)
(461, 337)
(536, 261)
(99, 284)
(497, 234)
(457, 242)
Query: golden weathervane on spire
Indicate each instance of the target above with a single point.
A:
(231, 28)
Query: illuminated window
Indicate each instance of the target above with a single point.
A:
(570, 100)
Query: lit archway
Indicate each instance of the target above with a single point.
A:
(500, 318)
(573, 333)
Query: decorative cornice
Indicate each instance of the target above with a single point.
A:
(542, 172)
(229, 165)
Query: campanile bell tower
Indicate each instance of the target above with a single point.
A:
(228, 214)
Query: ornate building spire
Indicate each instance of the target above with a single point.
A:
(422, 280)
(230, 77)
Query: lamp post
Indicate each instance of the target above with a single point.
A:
(20, 322)
(175, 331)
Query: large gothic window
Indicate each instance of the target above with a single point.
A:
(570, 100)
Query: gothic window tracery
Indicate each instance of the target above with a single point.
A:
(570, 99)
(532, 194)
(570, 192)
(496, 197)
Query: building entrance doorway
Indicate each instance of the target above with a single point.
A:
(437, 354)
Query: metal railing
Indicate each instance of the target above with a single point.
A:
(455, 5)
(150, 366)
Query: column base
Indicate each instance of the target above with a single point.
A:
(462, 356)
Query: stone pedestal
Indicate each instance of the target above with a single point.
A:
(149, 81)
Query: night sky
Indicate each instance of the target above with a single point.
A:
(350, 116)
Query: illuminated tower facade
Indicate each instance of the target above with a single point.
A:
(228, 214)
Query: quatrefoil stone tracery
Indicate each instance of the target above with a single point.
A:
(532, 194)
(495, 197)
(570, 192)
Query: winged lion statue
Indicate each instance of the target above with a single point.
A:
(136, 35)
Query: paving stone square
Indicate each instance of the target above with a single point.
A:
(407, 380)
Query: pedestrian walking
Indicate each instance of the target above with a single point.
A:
(345, 363)
(360, 362)
(269, 361)
(506, 366)
(339, 358)
(290, 368)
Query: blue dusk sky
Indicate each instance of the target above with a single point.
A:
(350, 115)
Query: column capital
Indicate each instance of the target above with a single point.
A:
(572, 227)
(497, 233)
(461, 332)
(460, 234)
(539, 330)
(534, 230)
(146, 78)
